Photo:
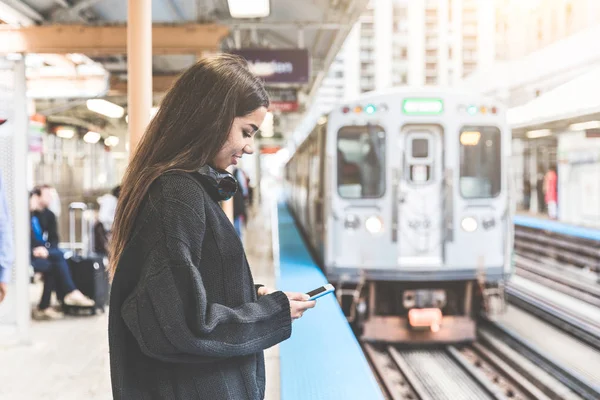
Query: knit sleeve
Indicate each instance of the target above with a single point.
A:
(171, 316)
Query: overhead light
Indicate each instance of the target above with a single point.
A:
(249, 8)
(14, 56)
(76, 58)
(106, 108)
(65, 132)
(91, 137)
(111, 141)
(538, 133)
(582, 126)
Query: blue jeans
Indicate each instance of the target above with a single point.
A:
(57, 276)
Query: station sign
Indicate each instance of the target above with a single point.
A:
(283, 99)
(278, 65)
(592, 133)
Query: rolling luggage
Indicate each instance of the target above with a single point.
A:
(87, 268)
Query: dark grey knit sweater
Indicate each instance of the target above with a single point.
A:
(185, 322)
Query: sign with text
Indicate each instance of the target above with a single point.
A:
(285, 100)
(278, 66)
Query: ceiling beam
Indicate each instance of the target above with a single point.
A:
(105, 40)
(160, 84)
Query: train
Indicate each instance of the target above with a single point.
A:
(403, 197)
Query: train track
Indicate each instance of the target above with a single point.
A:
(583, 253)
(483, 370)
(580, 326)
(561, 279)
(583, 386)
(464, 372)
(555, 261)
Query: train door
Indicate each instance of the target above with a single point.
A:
(419, 197)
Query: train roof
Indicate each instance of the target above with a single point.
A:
(431, 91)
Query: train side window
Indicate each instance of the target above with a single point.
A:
(361, 162)
(480, 162)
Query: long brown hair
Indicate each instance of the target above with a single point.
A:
(190, 127)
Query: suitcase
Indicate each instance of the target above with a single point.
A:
(87, 268)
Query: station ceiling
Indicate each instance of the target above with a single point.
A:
(320, 26)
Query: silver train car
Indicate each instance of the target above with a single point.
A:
(403, 198)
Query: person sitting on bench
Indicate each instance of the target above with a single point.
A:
(49, 260)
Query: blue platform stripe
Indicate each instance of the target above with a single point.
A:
(557, 227)
(322, 359)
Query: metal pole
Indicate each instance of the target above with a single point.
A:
(257, 184)
(139, 68)
(21, 205)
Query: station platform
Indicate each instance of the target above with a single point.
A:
(539, 222)
(322, 359)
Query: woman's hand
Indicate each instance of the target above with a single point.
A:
(298, 301)
(263, 291)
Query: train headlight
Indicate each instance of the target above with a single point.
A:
(374, 224)
(351, 221)
(468, 224)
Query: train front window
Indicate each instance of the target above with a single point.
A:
(361, 162)
(480, 162)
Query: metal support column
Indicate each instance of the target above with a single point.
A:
(21, 205)
(15, 310)
(139, 68)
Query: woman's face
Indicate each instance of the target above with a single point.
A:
(241, 139)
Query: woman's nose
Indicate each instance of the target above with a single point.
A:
(248, 149)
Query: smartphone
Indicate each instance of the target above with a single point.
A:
(321, 291)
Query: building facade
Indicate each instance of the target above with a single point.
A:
(411, 42)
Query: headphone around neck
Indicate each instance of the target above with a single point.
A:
(221, 184)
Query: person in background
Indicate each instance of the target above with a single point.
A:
(53, 200)
(49, 260)
(6, 243)
(551, 192)
(106, 216)
(250, 192)
(240, 215)
(526, 194)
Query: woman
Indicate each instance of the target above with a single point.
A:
(186, 320)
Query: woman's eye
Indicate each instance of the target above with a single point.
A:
(246, 134)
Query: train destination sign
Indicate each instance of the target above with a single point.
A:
(422, 106)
